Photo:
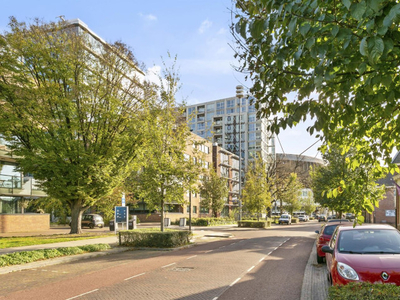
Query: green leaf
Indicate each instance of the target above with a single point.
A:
(392, 16)
(387, 80)
(358, 10)
(375, 48)
(346, 3)
(361, 68)
(335, 30)
(304, 28)
(293, 25)
(364, 47)
(310, 42)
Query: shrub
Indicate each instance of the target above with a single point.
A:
(295, 220)
(154, 239)
(365, 291)
(212, 221)
(254, 224)
(18, 258)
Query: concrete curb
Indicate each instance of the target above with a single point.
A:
(315, 283)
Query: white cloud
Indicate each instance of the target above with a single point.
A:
(222, 31)
(153, 73)
(148, 17)
(204, 26)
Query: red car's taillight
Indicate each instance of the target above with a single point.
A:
(324, 239)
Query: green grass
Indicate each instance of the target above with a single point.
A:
(10, 242)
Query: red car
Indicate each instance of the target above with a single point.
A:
(364, 253)
(324, 236)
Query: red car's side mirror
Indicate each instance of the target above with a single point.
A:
(317, 231)
(327, 249)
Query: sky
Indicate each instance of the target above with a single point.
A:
(197, 32)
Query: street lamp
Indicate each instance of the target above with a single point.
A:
(240, 95)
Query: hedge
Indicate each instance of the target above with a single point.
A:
(154, 239)
(254, 224)
(23, 257)
(208, 221)
(364, 291)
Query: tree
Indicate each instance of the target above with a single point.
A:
(308, 204)
(257, 190)
(72, 111)
(214, 192)
(339, 58)
(291, 196)
(167, 173)
(331, 190)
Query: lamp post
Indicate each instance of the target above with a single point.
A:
(190, 210)
(240, 95)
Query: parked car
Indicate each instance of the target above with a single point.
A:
(322, 218)
(304, 218)
(91, 221)
(323, 238)
(364, 253)
(331, 217)
(285, 219)
(339, 220)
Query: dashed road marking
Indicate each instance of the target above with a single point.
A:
(250, 269)
(235, 281)
(191, 257)
(208, 251)
(82, 294)
(168, 265)
(134, 276)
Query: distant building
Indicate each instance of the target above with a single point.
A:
(232, 123)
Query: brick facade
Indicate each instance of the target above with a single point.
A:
(24, 222)
(387, 204)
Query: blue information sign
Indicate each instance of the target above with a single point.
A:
(121, 213)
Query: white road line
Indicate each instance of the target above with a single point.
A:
(235, 281)
(269, 253)
(83, 294)
(221, 247)
(208, 251)
(250, 269)
(135, 276)
(262, 259)
(191, 257)
(215, 298)
(168, 265)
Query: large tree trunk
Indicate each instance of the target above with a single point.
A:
(76, 217)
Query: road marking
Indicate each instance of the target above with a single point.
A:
(250, 269)
(191, 257)
(262, 259)
(269, 253)
(215, 298)
(83, 294)
(168, 265)
(221, 247)
(134, 276)
(235, 281)
(208, 251)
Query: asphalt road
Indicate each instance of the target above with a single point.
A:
(254, 264)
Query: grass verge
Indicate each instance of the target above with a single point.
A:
(10, 242)
(18, 258)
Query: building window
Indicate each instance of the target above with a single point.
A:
(220, 105)
(230, 103)
(195, 209)
(200, 126)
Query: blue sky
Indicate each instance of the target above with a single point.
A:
(197, 31)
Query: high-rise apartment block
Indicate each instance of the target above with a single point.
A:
(233, 124)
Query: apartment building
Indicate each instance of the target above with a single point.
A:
(233, 124)
(15, 188)
(226, 165)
